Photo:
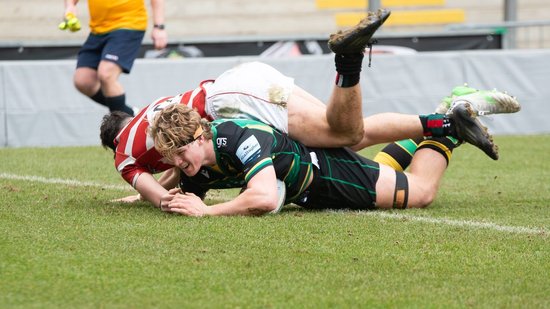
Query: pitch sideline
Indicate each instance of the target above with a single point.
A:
(458, 223)
(379, 214)
(68, 182)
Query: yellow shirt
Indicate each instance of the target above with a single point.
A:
(109, 15)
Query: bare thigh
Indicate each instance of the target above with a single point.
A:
(385, 187)
(307, 121)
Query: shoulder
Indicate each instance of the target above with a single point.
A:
(241, 125)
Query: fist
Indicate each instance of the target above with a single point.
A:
(70, 22)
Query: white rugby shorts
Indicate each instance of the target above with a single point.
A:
(252, 90)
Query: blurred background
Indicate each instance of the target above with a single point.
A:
(428, 47)
(289, 27)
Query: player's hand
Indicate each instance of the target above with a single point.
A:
(188, 204)
(70, 22)
(167, 198)
(128, 199)
(160, 38)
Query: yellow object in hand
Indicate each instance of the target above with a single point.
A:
(70, 22)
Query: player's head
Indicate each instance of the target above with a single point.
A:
(176, 126)
(111, 124)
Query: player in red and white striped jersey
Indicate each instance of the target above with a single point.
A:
(135, 153)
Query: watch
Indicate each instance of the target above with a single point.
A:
(159, 26)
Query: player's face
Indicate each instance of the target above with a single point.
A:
(189, 158)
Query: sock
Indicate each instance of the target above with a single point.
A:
(398, 155)
(118, 103)
(437, 125)
(99, 97)
(443, 145)
(348, 68)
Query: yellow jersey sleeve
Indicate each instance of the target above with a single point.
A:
(109, 15)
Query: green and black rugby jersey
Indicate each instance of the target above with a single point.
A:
(245, 147)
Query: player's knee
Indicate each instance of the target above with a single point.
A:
(351, 137)
(84, 86)
(424, 197)
(106, 76)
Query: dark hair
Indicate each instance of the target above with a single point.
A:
(110, 126)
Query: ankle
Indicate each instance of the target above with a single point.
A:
(348, 67)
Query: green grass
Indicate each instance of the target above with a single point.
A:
(67, 246)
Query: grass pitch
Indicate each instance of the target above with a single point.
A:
(484, 243)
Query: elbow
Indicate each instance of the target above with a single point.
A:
(262, 206)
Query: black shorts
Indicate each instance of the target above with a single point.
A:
(345, 180)
(119, 46)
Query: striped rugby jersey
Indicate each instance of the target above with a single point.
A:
(135, 150)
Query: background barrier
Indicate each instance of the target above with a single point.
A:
(39, 105)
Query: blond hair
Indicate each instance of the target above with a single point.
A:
(176, 126)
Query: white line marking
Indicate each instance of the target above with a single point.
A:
(67, 182)
(459, 223)
(380, 214)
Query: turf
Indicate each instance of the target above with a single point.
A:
(66, 246)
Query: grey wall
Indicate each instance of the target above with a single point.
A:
(40, 107)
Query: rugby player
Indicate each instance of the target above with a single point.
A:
(259, 92)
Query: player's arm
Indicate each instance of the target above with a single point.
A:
(150, 189)
(70, 6)
(159, 36)
(169, 179)
(260, 197)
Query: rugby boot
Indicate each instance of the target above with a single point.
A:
(356, 39)
(484, 102)
(470, 130)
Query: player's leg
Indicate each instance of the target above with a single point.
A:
(340, 123)
(308, 123)
(85, 77)
(118, 56)
(418, 188)
(385, 127)
(344, 108)
(108, 73)
(86, 81)
(398, 155)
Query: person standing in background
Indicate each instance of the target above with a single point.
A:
(117, 28)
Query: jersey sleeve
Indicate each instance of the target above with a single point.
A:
(128, 168)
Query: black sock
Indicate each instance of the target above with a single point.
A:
(442, 145)
(118, 103)
(99, 97)
(348, 67)
(437, 125)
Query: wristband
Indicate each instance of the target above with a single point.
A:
(159, 26)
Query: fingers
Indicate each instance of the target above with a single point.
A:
(190, 212)
(187, 204)
(174, 191)
(160, 39)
